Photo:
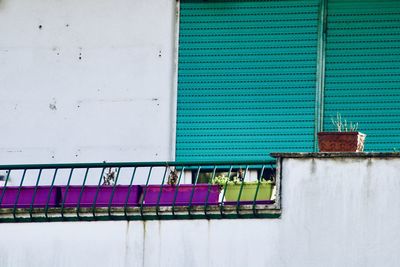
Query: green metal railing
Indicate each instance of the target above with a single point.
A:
(132, 191)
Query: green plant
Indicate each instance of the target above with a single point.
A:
(172, 177)
(343, 126)
(225, 180)
(236, 189)
(109, 177)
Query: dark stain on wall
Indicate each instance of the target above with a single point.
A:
(53, 105)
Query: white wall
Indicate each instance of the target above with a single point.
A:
(87, 80)
(336, 212)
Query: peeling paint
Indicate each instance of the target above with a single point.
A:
(53, 105)
(14, 151)
(114, 100)
(80, 53)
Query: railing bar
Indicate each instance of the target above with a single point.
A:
(145, 191)
(176, 190)
(48, 197)
(129, 192)
(208, 191)
(97, 192)
(192, 201)
(241, 189)
(130, 164)
(5, 186)
(225, 188)
(274, 175)
(113, 191)
(34, 193)
(277, 183)
(81, 193)
(161, 188)
(66, 192)
(17, 197)
(258, 186)
(193, 189)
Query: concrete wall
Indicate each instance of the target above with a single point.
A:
(336, 212)
(87, 81)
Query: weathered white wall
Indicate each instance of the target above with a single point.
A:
(87, 80)
(336, 212)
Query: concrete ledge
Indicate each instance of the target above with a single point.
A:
(134, 213)
(337, 155)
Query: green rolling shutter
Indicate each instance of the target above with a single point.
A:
(363, 69)
(246, 80)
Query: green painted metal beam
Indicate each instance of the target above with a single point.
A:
(132, 164)
(320, 85)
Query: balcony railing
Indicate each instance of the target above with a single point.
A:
(138, 191)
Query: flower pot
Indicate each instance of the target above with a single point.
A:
(26, 194)
(341, 141)
(248, 192)
(183, 194)
(103, 196)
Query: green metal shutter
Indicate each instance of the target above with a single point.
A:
(246, 81)
(363, 69)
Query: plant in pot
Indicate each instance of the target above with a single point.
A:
(235, 189)
(174, 193)
(345, 139)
